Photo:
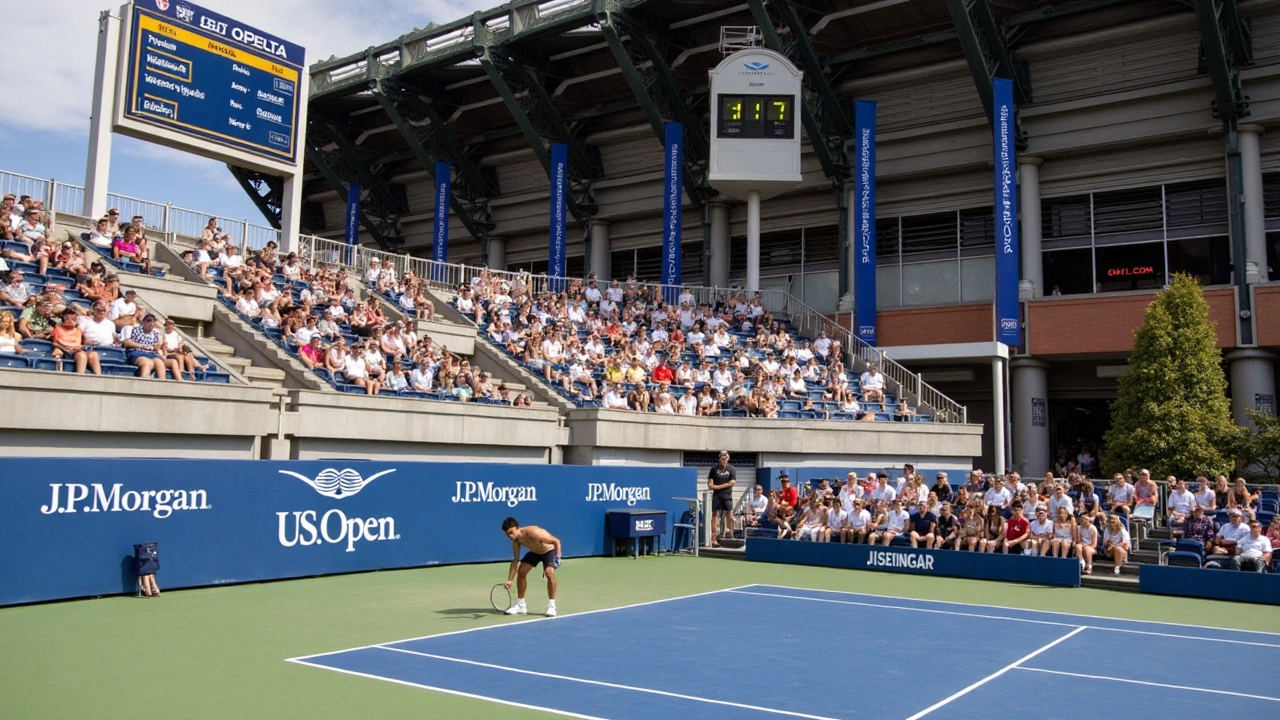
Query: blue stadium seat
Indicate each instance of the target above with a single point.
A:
(1184, 559)
(17, 362)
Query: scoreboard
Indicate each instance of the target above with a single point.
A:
(192, 75)
(757, 116)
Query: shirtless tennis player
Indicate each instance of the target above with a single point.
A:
(543, 547)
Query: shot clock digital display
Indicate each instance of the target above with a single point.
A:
(756, 116)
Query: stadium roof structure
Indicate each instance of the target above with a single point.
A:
(532, 72)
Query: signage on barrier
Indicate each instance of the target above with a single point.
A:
(95, 497)
(490, 492)
(611, 492)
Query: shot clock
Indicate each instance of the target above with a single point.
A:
(757, 116)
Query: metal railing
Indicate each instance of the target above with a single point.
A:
(66, 198)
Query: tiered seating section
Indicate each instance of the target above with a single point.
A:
(624, 348)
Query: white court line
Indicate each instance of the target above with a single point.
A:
(601, 683)
(1152, 684)
(447, 691)
(1000, 617)
(1018, 609)
(993, 675)
(561, 618)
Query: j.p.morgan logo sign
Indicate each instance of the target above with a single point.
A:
(68, 498)
(304, 528)
(609, 492)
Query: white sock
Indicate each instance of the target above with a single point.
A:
(520, 602)
(551, 603)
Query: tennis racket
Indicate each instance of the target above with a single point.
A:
(500, 597)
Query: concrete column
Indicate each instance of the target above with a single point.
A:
(497, 259)
(851, 254)
(1255, 229)
(600, 250)
(718, 264)
(997, 414)
(1032, 285)
(753, 240)
(1030, 410)
(98, 165)
(1253, 383)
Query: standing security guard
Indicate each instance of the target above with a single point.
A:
(720, 481)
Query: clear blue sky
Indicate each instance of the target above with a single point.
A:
(44, 131)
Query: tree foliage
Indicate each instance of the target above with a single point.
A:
(1171, 412)
(1259, 449)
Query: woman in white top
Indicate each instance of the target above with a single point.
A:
(1064, 534)
(836, 519)
(9, 337)
(663, 403)
(1115, 541)
(1086, 543)
(1206, 497)
(357, 373)
(688, 403)
(101, 235)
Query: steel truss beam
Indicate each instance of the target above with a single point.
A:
(644, 66)
(266, 191)
(1226, 46)
(423, 126)
(822, 113)
(982, 41)
(382, 203)
(520, 86)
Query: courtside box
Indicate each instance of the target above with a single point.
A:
(1210, 583)
(68, 526)
(950, 563)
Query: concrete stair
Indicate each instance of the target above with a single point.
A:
(224, 354)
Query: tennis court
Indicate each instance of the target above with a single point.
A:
(759, 651)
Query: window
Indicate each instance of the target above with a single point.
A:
(1066, 218)
(1131, 267)
(929, 237)
(1129, 212)
(1068, 272)
(887, 241)
(1207, 258)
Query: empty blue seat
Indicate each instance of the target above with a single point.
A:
(1185, 559)
(17, 362)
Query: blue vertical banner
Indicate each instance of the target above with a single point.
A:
(440, 235)
(672, 199)
(559, 191)
(353, 222)
(1008, 320)
(864, 222)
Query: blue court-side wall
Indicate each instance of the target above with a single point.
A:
(68, 526)
(918, 561)
(768, 476)
(1210, 583)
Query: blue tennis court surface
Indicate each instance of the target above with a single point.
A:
(764, 651)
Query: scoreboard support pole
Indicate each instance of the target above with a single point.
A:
(753, 240)
(97, 170)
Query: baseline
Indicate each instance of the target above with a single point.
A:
(1150, 684)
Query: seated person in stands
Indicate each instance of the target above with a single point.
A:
(754, 510)
(1273, 531)
(68, 340)
(1145, 491)
(1253, 552)
(1088, 506)
(613, 398)
(15, 291)
(143, 348)
(1224, 543)
(814, 525)
(638, 399)
(335, 360)
(1042, 532)
(247, 305)
(1086, 543)
(1205, 496)
(422, 378)
(128, 247)
(291, 268)
(946, 535)
(397, 380)
(993, 529)
(38, 239)
(9, 336)
(941, 487)
(1198, 525)
(1121, 495)
(923, 527)
(895, 524)
(903, 411)
(972, 526)
(37, 320)
(1017, 531)
(1241, 496)
(522, 400)
(797, 389)
(871, 383)
(1115, 541)
(71, 259)
(664, 403)
(312, 354)
(1064, 535)
(356, 370)
(687, 404)
(99, 331)
(1181, 501)
(175, 348)
(857, 523)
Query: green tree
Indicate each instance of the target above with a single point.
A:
(1171, 412)
(1259, 449)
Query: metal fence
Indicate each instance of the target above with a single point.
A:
(165, 217)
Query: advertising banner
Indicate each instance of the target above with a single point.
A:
(559, 211)
(440, 234)
(1008, 317)
(1064, 572)
(672, 198)
(864, 225)
(352, 219)
(68, 526)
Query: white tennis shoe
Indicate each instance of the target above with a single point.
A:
(518, 608)
(551, 609)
